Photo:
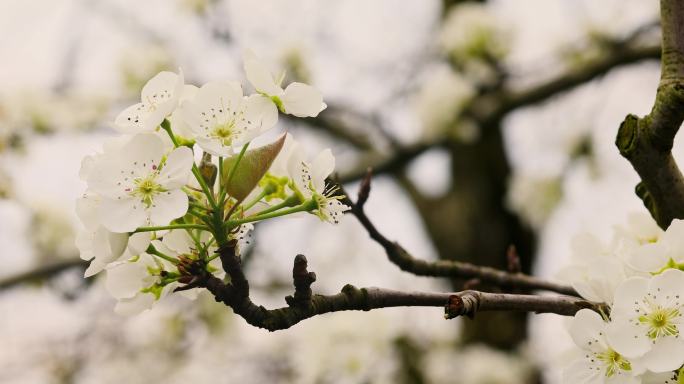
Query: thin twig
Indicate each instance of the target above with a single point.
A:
(446, 268)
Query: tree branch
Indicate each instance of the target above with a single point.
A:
(647, 142)
(445, 268)
(494, 106)
(304, 305)
(41, 272)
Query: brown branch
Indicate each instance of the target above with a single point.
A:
(492, 107)
(647, 142)
(41, 272)
(304, 305)
(446, 268)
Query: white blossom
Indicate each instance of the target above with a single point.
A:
(296, 99)
(158, 99)
(648, 319)
(661, 251)
(141, 185)
(309, 179)
(595, 270)
(221, 119)
(600, 363)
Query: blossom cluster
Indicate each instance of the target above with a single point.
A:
(154, 216)
(639, 275)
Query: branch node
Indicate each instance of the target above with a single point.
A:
(513, 259)
(364, 189)
(302, 280)
(626, 139)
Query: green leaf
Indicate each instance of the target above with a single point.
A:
(250, 169)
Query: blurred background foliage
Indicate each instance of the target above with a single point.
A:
(488, 124)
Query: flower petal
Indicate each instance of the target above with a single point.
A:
(122, 215)
(259, 76)
(168, 206)
(177, 169)
(586, 330)
(631, 290)
(125, 280)
(178, 241)
(322, 166)
(262, 110)
(649, 257)
(302, 100)
(666, 355)
(627, 339)
(135, 305)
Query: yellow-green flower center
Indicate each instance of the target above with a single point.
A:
(660, 322)
(224, 133)
(146, 188)
(614, 362)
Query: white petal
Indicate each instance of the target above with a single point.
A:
(87, 164)
(94, 268)
(667, 354)
(117, 245)
(666, 286)
(643, 226)
(178, 241)
(302, 100)
(134, 119)
(138, 243)
(168, 206)
(299, 171)
(84, 243)
(628, 339)
(135, 305)
(259, 76)
(581, 372)
(659, 378)
(122, 215)
(126, 280)
(220, 95)
(321, 167)
(586, 330)
(261, 110)
(649, 257)
(86, 210)
(177, 169)
(215, 147)
(631, 290)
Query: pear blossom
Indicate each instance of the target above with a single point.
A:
(648, 320)
(221, 119)
(296, 99)
(595, 270)
(309, 180)
(667, 251)
(638, 236)
(158, 99)
(99, 245)
(141, 185)
(135, 283)
(600, 362)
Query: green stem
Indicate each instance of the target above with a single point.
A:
(291, 201)
(305, 207)
(153, 251)
(166, 125)
(205, 187)
(172, 226)
(253, 202)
